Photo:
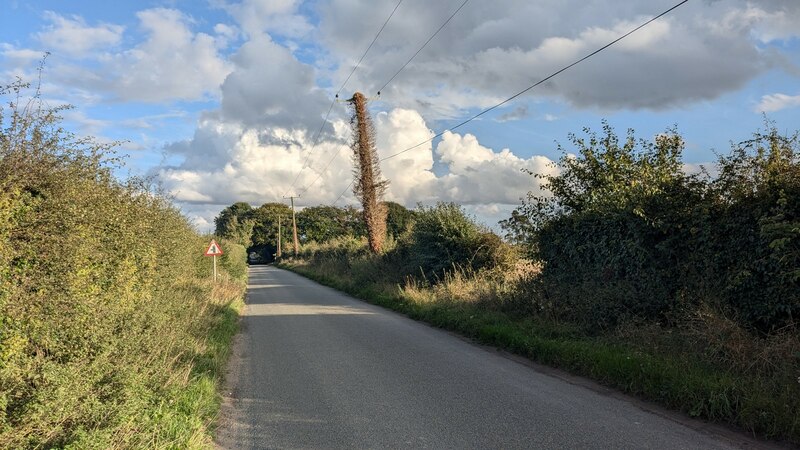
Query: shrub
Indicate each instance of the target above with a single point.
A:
(104, 317)
(234, 259)
(443, 238)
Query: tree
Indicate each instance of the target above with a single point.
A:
(605, 174)
(236, 223)
(321, 223)
(398, 218)
(444, 237)
(354, 222)
(265, 228)
(611, 227)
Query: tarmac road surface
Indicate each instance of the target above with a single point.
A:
(314, 368)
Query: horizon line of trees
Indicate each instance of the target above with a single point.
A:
(256, 228)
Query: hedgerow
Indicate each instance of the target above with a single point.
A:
(111, 332)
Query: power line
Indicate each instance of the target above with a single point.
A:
(370, 46)
(325, 120)
(423, 46)
(540, 81)
(319, 175)
(529, 87)
(313, 146)
(343, 192)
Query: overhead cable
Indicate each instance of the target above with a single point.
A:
(325, 120)
(423, 46)
(530, 87)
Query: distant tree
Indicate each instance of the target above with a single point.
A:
(398, 218)
(235, 223)
(321, 223)
(354, 222)
(265, 224)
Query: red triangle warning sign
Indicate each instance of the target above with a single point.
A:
(213, 249)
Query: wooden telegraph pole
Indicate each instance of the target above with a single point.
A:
(278, 253)
(294, 226)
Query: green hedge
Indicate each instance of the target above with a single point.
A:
(107, 316)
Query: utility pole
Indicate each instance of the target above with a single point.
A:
(278, 253)
(294, 226)
(369, 185)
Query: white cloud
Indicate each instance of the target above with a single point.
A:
(276, 17)
(173, 63)
(777, 102)
(492, 50)
(770, 21)
(71, 35)
(170, 62)
(479, 175)
(225, 163)
(410, 174)
(270, 87)
(18, 58)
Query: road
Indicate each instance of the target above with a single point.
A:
(314, 368)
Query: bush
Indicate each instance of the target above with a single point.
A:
(234, 259)
(104, 314)
(443, 238)
(627, 235)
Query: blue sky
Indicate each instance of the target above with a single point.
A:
(220, 100)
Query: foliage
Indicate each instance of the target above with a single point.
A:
(234, 260)
(235, 223)
(323, 223)
(398, 219)
(444, 238)
(111, 333)
(755, 218)
(265, 228)
(625, 234)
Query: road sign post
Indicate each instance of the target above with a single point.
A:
(214, 250)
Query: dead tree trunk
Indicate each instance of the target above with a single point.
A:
(369, 186)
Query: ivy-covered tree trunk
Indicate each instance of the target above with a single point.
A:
(369, 186)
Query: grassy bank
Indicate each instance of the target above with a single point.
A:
(668, 366)
(112, 334)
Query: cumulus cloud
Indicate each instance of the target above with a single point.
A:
(479, 175)
(269, 86)
(490, 51)
(777, 102)
(269, 16)
(172, 63)
(224, 163)
(71, 35)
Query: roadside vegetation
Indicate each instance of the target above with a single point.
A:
(112, 334)
(681, 289)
